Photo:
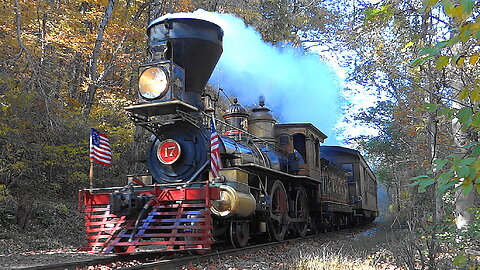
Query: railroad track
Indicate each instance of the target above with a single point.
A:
(170, 264)
(170, 260)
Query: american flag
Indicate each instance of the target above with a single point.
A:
(100, 151)
(215, 162)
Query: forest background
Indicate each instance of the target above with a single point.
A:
(66, 66)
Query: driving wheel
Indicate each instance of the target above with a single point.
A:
(278, 222)
(301, 211)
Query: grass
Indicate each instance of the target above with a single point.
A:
(332, 262)
(357, 252)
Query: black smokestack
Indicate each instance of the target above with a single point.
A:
(193, 44)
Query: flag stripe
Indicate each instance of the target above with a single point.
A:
(103, 151)
(215, 161)
(101, 159)
(99, 155)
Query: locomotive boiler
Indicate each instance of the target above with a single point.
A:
(276, 179)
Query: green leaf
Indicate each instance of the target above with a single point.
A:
(476, 119)
(447, 6)
(426, 183)
(431, 107)
(445, 187)
(453, 156)
(429, 51)
(472, 172)
(467, 6)
(476, 150)
(460, 260)
(463, 171)
(447, 177)
(467, 124)
(421, 177)
(418, 61)
(471, 145)
(445, 111)
(455, 59)
(423, 182)
(439, 163)
(454, 40)
(468, 161)
(441, 44)
(467, 187)
(465, 34)
(464, 114)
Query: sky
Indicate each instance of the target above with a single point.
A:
(299, 86)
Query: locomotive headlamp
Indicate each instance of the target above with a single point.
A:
(153, 83)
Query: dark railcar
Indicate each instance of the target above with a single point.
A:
(361, 181)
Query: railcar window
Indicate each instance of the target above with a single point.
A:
(299, 145)
(317, 153)
(349, 168)
(367, 184)
(283, 140)
(324, 186)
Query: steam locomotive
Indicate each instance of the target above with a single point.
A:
(277, 180)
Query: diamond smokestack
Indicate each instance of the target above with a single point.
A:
(193, 44)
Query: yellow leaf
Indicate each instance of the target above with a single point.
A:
(460, 61)
(457, 11)
(429, 2)
(475, 95)
(463, 94)
(473, 59)
(442, 61)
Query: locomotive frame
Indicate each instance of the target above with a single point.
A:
(277, 179)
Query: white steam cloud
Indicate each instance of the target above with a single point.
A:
(297, 85)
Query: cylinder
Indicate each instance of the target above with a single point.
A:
(232, 203)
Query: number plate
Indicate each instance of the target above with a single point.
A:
(168, 152)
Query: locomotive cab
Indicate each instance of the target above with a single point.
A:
(303, 140)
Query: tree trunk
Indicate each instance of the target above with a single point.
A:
(24, 213)
(463, 202)
(461, 138)
(462, 205)
(93, 72)
(137, 148)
